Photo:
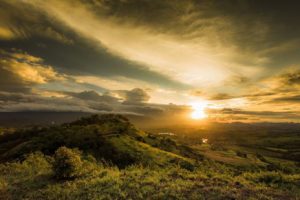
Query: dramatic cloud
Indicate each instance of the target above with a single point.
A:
(190, 61)
(292, 78)
(91, 101)
(288, 99)
(6, 34)
(20, 71)
(229, 114)
(134, 96)
(238, 58)
(17, 23)
(94, 96)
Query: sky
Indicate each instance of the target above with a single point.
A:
(238, 59)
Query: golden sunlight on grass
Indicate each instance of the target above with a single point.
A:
(198, 110)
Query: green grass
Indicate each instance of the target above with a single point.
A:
(33, 179)
(146, 154)
(115, 160)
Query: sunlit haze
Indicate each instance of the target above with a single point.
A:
(198, 110)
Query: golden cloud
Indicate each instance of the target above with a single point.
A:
(6, 33)
(28, 68)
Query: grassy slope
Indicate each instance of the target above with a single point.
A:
(145, 153)
(33, 179)
(114, 139)
(150, 166)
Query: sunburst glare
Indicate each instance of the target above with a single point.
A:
(198, 110)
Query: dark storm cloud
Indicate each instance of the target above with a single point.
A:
(33, 102)
(286, 88)
(42, 36)
(253, 96)
(148, 110)
(262, 115)
(134, 96)
(256, 25)
(292, 78)
(101, 106)
(22, 25)
(257, 113)
(268, 33)
(222, 96)
(16, 97)
(247, 21)
(270, 29)
(93, 96)
(134, 102)
(293, 99)
(281, 18)
(82, 58)
(87, 101)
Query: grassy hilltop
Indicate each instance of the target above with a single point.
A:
(107, 157)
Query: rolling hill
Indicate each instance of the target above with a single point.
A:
(107, 157)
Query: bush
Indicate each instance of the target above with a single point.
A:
(261, 158)
(187, 165)
(67, 163)
(268, 178)
(241, 154)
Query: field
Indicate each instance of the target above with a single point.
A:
(107, 157)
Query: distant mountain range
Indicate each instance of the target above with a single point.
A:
(21, 119)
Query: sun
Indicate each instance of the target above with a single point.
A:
(198, 110)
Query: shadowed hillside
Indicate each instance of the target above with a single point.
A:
(109, 137)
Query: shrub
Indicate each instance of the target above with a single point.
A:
(37, 162)
(217, 147)
(67, 163)
(241, 154)
(187, 165)
(261, 158)
(268, 178)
